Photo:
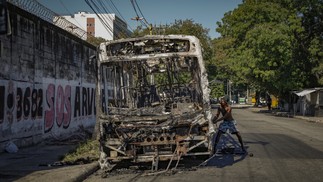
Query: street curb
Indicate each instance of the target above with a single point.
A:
(240, 107)
(94, 166)
(288, 115)
(311, 120)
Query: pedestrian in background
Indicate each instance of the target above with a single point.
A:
(269, 102)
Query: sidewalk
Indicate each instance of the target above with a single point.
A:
(39, 163)
(241, 106)
(312, 119)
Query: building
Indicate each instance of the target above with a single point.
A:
(308, 102)
(107, 26)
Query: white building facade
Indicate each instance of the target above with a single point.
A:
(109, 27)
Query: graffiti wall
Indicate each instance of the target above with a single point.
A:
(47, 82)
(21, 110)
(53, 108)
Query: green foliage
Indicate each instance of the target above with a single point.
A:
(316, 52)
(161, 78)
(183, 77)
(217, 90)
(267, 53)
(272, 45)
(182, 27)
(85, 153)
(189, 27)
(186, 27)
(237, 23)
(310, 40)
(222, 67)
(95, 40)
(180, 77)
(140, 31)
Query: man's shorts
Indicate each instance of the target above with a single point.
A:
(228, 125)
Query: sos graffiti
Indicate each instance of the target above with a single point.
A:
(59, 103)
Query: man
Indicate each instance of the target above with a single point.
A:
(269, 102)
(228, 124)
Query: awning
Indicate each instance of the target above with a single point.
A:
(305, 92)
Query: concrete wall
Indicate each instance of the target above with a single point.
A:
(47, 84)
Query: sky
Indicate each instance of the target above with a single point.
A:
(204, 12)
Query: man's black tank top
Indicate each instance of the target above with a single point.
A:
(222, 110)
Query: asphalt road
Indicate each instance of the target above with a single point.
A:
(284, 149)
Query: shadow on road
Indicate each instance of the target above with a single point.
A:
(281, 146)
(222, 160)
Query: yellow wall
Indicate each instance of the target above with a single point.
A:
(274, 101)
(253, 100)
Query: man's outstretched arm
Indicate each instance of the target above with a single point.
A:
(226, 116)
(215, 118)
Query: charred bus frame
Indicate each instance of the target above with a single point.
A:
(152, 100)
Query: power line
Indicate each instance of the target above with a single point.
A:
(99, 7)
(137, 15)
(69, 12)
(102, 21)
(133, 5)
(106, 10)
(141, 12)
(117, 10)
(142, 19)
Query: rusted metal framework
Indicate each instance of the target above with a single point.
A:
(152, 100)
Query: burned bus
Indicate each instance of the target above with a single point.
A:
(152, 100)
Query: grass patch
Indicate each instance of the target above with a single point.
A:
(84, 153)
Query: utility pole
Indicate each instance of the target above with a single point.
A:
(137, 18)
(228, 87)
(230, 91)
(150, 26)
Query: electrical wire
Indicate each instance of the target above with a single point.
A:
(117, 10)
(142, 15)
(103, 19)
(95, 9)
(69, 12)
(134, 7)
(106, 10)
(137, 15)
(36, 8)
(99, 7)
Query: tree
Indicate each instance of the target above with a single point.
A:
(267, 53)
(275, 45)
(182, 27)
(221, 65)
(310, 39)
(187, 27)
(95, 40)
(217, 90)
